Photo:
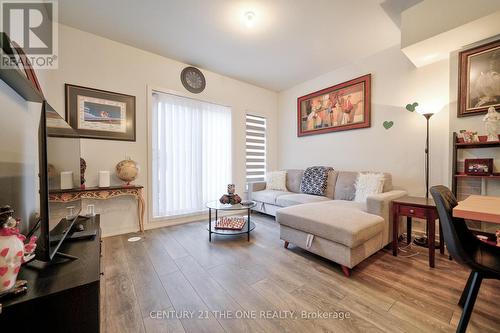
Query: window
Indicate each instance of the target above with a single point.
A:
(255, 148)
(191, 154)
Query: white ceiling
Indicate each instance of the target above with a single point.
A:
(291, 42)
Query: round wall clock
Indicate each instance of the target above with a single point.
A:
(193, 80)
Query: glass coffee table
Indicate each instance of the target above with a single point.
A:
(216, 206)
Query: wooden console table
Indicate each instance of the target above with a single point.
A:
(102, 193)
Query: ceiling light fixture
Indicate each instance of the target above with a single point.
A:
(249, 18)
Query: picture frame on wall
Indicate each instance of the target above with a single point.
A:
(478, 79)
(100, 114)
(15, 58)
(478, 166)
(341, 107)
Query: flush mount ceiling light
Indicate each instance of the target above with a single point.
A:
(249, 19)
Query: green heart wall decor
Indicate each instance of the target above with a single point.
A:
(411, 107)
(388, 124)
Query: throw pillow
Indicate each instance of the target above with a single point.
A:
(314, 180)
(276, 180)
(368, 184)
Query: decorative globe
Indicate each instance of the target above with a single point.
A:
(127, 170)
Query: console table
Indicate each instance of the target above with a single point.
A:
(61, 296)
(102, 193)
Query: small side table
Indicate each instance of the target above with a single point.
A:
(216, 206)
(418, 207)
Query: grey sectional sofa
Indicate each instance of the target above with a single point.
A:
(333, 226)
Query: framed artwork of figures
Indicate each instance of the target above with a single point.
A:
(342, 107)
(479, 79)
(100, 114)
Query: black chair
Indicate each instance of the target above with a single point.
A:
(483, 259)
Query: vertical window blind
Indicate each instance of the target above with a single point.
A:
(255, 148)
(191, 154)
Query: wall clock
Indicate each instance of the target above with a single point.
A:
(193, 80)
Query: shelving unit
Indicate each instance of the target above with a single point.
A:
(463, 175)
(484, 144)
(459, 144)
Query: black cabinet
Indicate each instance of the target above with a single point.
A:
(61, 297)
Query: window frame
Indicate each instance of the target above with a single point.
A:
(149, 216)
(265, 150)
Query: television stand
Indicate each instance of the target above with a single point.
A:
(60, 298)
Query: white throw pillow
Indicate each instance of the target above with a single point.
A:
(276, 180)
(368, 184)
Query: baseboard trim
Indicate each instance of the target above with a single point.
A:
(166, 223)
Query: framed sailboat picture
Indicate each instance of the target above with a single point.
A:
(100, 114)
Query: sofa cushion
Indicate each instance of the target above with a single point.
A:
(293, 179)
(368, 184)
(276, 180)
(387, 182)
(315, 180)
(298, 198)
(349, 204)
(330, 184)
(345, 225)
(345, 189)
(268, 196)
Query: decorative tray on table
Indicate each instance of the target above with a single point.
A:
(230, 223)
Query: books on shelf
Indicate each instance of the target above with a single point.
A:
(230, 223)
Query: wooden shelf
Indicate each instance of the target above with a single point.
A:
(16, 79)
(96, 188)
(489, 144)
(463, 175)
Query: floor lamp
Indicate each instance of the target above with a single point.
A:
(422, 241)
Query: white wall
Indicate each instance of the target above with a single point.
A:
(458, 13)
(399, 150)
(89, 60)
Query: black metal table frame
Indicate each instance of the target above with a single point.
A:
(210, 232)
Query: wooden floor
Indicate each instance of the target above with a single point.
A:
(176, 275)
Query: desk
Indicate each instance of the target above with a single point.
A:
(102, 193)
(421, 208)
(479, 208)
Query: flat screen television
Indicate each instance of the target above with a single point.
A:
(19, 181)
(32, 142)
(59, 150)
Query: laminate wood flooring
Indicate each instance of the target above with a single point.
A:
(174, 280)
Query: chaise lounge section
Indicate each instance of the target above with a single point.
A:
(333, 226)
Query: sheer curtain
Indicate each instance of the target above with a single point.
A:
(191, 154)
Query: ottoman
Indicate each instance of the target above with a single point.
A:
(344, 234)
